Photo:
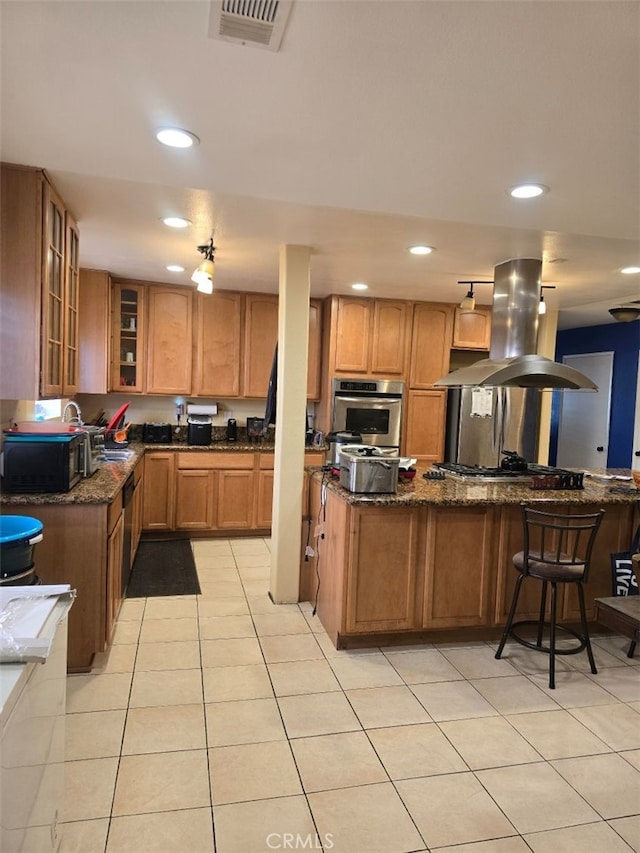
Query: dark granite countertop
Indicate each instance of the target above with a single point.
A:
(105, 484)
(450, 492)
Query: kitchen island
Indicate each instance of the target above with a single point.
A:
(434, 561)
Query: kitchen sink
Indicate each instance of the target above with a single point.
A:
(117, 455)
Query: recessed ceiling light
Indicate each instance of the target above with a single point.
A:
(174, 137)
(359, 285)
(528, 190)
(176, 221)
(175, 268)
(421, 250)
(630, 270)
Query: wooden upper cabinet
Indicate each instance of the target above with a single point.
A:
(260, 338)
(70, 337)
(370, 336)
(352, 334)
(169, 336)
(430, 343)
(93, 331)
(218, 341)
(128, 330)
(39, 272)
(472, 329)
(389, 337)
(315, 350)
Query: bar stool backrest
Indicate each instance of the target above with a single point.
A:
(559, 539)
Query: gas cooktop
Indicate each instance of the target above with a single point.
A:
(497, 475)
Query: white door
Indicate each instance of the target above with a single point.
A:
(583, 433)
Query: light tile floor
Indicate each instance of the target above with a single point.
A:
(222, 723)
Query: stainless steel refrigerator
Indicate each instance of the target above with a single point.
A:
(483, 422)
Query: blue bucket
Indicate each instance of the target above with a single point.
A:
(18, 535)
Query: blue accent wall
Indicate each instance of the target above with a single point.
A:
(623, 339)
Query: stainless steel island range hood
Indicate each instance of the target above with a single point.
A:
(513, 362)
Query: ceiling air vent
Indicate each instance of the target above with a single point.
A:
(259, 23)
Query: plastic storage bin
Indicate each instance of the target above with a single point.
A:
(18, 536)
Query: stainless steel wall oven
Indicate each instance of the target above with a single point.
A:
(371, 407)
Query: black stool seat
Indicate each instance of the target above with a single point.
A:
(557, 549)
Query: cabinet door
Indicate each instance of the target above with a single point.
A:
(94, 328)
(70, 363)
(235, 500)
(425, 418)
(264, 503)
(115, 545)
(315, 346)
(381, 581)
(127, 338)
(260, 338)
(472, 329)
(389, 336)
(53, 295)
(352, 335)
(218, 342)
(430, 343)
(159, 491)
(195, 500)
(458, 567)
(169, 340)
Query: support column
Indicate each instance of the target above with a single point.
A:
(291, 410)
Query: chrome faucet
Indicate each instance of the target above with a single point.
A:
(77, 418)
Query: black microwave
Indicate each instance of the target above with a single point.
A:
(41, 462)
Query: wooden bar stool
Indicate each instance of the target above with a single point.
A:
(557, 549)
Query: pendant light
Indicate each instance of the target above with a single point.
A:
(203, 274)
(468, 304)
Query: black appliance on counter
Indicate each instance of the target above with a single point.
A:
(232, 429)
(42, 462)
(199, 429)
(156, 433)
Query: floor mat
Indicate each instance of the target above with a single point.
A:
(163, 568)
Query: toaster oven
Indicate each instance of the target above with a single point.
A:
(156, 433)
(42, 462)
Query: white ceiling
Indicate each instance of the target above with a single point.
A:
(378, 124)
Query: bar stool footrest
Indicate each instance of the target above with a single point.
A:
(574, 650)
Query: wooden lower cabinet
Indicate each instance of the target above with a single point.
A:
(264, 498)
(136, 507)
(82, 546)
(458, 566)
(158, 506)
(382, 570)
(195, 500)
(235, 494)
(115, 544)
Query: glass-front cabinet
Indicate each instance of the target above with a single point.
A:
(127, 373)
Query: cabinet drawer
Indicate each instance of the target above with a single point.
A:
(211, 460)
(267, 461)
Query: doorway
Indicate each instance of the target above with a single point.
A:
(583, 430)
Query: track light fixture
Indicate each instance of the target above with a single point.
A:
(625, 313)
(203, 274)
(468, 304)
(542, 306)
